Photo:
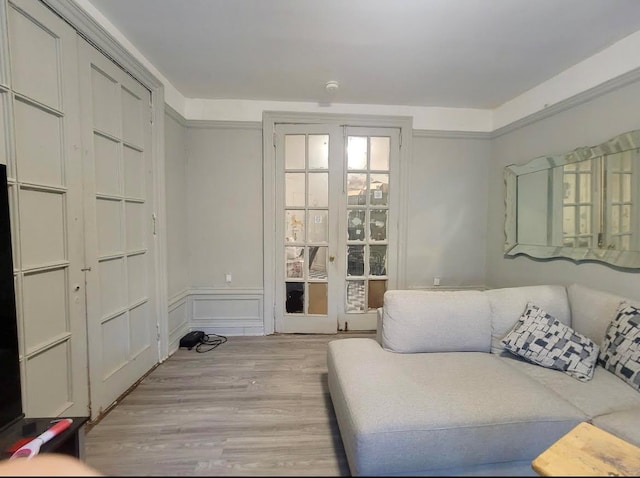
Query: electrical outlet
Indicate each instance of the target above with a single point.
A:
(436, 281)
(228, 278)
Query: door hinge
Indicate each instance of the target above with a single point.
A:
(400, 139)
(151, 114)
(155, 220)
(274, 139)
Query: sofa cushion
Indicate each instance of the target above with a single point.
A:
(542, 339)
(507, 305)
(604, 393)
(592, 310)
(624, 424)
(411, 413)
(435, 321)
(621, 346)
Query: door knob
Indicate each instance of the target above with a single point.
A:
(332, 258)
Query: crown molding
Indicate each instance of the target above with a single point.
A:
(220, 124)
(442, 134)
(173, 114)
(575, 100)
(96, 34)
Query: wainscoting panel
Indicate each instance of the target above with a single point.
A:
(178, 323)
(227, 311)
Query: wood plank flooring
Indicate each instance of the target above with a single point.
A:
(253, 406)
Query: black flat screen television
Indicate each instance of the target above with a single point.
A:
(10, 392)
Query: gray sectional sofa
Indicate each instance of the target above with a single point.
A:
(437, 394)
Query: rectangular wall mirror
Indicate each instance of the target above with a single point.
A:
(582, 205)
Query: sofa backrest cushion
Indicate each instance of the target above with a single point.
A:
(436, 321)
(508, 304)
(593, 310)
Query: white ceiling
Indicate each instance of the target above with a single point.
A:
(449, 53)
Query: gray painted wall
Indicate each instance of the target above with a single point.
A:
(224, 197)
(447, 211)
(587, 124)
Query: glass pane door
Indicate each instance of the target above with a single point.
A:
(335, 245)
(368, 239)
(307, 191)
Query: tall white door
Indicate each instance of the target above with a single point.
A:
(122, 319)
(40, 142)
(335, 235)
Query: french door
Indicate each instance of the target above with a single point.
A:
(122, 317)
(336, 242)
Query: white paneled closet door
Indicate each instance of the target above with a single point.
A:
(122, 320)
(39, 109)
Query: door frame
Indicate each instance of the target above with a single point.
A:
(269, 121)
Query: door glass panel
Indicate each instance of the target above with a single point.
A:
(318, 231)
(379, 187)
(585, 188)
(626, 187)
(294, 302)
(355, 296)
(377, 288)
(585, 219)
(378, 224)
(318, 151)
(355, 225)
(378, 260)
(318, 298)
(317, 263)
(615, 219)
(355, 260)
(380, 150)
(357, 152)
(295, 262)
(294, 151)
(295, 189)
(294, 225)
(318, 189)
(626, 218)
(357, 189)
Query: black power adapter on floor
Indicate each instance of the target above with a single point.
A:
(192, 339)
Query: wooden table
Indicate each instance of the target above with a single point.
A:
(588, 451)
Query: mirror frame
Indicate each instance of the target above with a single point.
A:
(622, 259)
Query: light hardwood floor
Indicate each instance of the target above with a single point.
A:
(252, 406)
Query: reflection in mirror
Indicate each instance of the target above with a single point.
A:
(583, 205)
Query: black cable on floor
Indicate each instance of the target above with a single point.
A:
(213, 343)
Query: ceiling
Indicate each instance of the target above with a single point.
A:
(449, 53)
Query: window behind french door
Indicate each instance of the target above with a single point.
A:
(335, 242)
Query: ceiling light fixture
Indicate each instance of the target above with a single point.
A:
(332, 86)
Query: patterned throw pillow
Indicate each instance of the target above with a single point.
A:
(544, 340)
(621, 346)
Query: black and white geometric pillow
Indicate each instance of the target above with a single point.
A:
(542, 339)
(620, 352)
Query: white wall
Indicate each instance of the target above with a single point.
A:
(586, 124)
(447, 211)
